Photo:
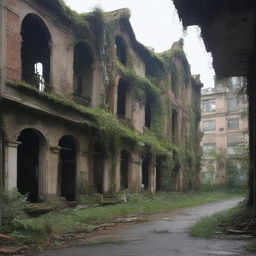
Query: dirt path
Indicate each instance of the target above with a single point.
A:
(165, 234)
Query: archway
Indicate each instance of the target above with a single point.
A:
(83, 71)
(145, 172)
(124, 169)
(98, 168)
(35, 51)
(67, 168)
(28, 164)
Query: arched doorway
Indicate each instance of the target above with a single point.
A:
(28, 164)
(124, 169)
(35, 51)
(145, 172)
(98, 168)
(67, 168)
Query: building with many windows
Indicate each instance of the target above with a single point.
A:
(224, 126)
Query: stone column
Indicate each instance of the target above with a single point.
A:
(82, 175)
(152, 175)
(50, 174)
(118, 173)
(107, 174)
(11, 164)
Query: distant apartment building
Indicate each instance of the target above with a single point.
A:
(224, 126)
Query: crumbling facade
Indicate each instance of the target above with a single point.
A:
(86, 108)
(224, 126)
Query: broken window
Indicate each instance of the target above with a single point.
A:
(67, 168)
(148, 113)
(124, 169)
(35, 52)
(83, 71)
(208, 105)
(121, 98)
(120, 49)
(233, 124)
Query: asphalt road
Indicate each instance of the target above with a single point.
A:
(165, 235)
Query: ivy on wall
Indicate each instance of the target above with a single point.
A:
(100, 29)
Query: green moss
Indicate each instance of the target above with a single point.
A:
(112, 132)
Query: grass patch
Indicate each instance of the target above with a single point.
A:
(45, 228)
(208, 226)
(108, 240)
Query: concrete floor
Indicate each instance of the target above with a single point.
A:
(164, 235)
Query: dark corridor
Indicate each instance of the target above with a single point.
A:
(67, 168)
(28, 164)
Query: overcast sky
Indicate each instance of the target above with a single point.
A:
(156, 24)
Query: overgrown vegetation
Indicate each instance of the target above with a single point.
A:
(165, 72)
(50, 226)
(210, 226)
(12, 204)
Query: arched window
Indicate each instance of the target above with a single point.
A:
(122, 98)
(83, 71)
(35, 52)
(121, 50)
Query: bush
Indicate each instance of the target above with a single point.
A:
(12, 203)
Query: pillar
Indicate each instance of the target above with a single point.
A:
(11, 164)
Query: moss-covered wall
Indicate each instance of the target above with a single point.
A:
(162, 79)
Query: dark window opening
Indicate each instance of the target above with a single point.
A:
(174, 126)
(148, 113)
(98, 168)
(67, 168)
(28, 164)
(145, 174)
(83, 71)
(124, 169)
(120, 49)
(35, 52)
(121, 98)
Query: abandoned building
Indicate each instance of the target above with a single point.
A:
(224, 125)
(86, 108)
